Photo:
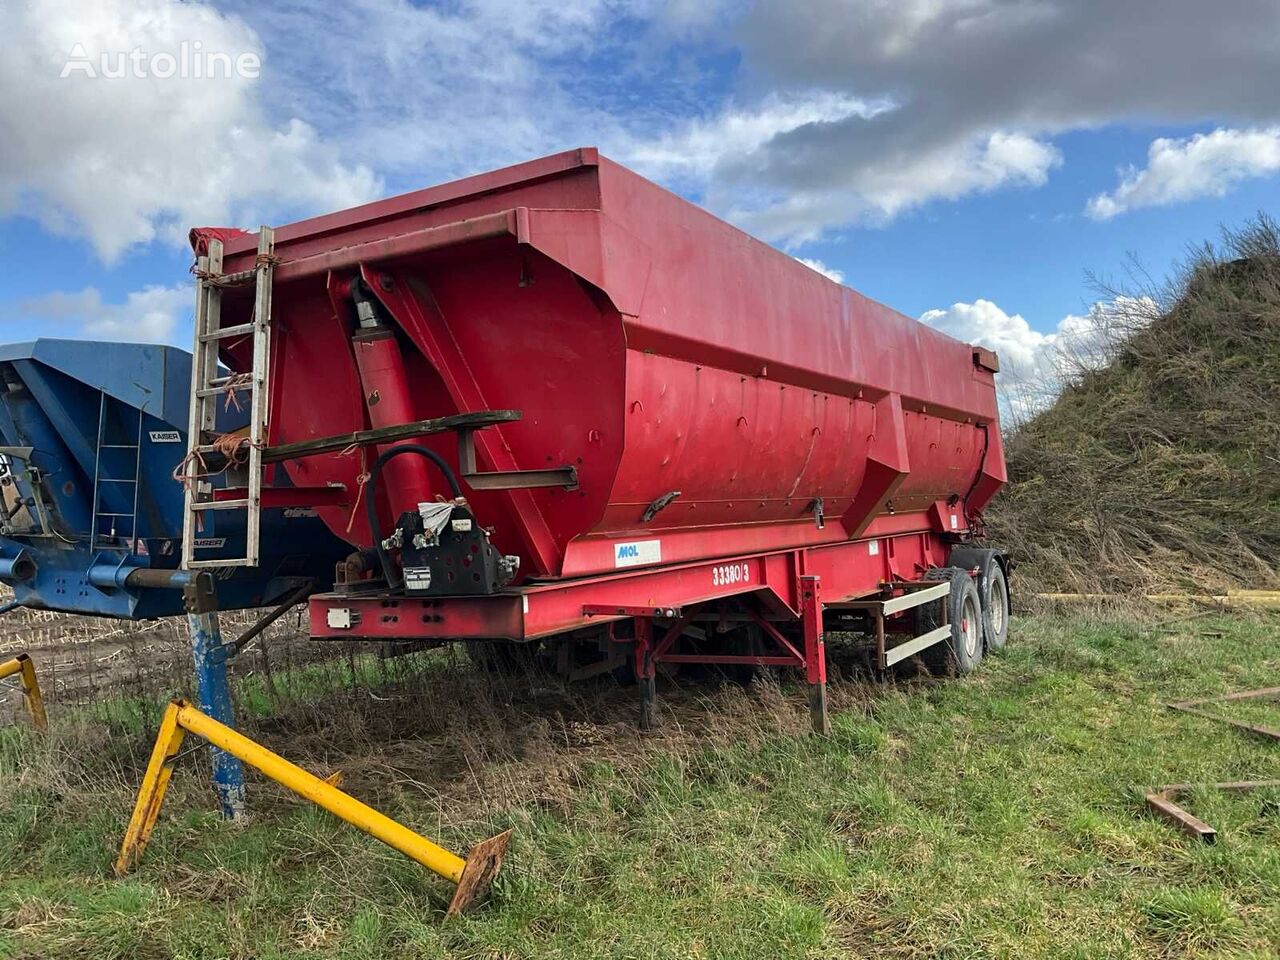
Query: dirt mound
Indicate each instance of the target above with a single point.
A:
(1161, 469)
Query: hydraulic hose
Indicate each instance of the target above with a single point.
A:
(371, 496)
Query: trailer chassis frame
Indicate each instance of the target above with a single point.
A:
(877, 577)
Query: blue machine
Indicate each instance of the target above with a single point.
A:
(90, 434)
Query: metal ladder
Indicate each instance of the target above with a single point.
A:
(208, 385)
(116, 518)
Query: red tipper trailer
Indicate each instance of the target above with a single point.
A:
(581, 410)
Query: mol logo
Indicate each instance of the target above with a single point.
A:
(637, 552)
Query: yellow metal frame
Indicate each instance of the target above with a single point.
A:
(25, 667)
(472, 875)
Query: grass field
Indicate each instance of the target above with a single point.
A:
(996, 816)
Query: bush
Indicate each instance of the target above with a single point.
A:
(1161, 469)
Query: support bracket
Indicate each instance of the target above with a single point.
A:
(472, 875)
(565, 477)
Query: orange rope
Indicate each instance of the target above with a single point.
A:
(233, 447)
(220, 279)
(184, 476)
(233, 386)
(212, 279)
(361, 480)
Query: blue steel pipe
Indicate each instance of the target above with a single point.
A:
(209, 654)
(21, 567)
(213, 688)
(215, 700)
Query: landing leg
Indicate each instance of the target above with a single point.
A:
(646, 671)
(815, 654)
(818, 709)
(215, 692)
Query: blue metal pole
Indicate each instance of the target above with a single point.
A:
(214, 690)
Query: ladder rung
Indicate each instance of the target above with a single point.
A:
(239, 330)
(232, 279)
(222, 381)
(103, 513)
(219, 505)
(219, 391)
(208, 382)
(116, 480)
(117, 446)
(211, 448)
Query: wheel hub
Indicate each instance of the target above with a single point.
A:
(967, 631)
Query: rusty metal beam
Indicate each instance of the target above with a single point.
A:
(1158, 800)
(1161, 800)
(1194, 707)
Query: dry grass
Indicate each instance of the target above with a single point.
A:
(998, 816)
(1162, 470)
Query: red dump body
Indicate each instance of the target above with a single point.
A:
(646, 342)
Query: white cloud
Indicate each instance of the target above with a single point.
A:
(984, 323)
(878, 192)
(831, 273)
(149, 315)
(425, 92)
(124, 160)
(1035, 366)
(838, 112)
(702, 152)
(980, 166)
(981, 88)
(435, 103)
(1206, 165)
(696, 148)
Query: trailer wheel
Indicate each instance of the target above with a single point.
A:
(993, 590)
(960, 653)
(995, 606)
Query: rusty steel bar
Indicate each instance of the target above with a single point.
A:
(1193, 707)
(299, 595)
(1161, 801)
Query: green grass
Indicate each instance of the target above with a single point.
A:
(999, 816)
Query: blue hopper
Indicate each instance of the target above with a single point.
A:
(90, 434)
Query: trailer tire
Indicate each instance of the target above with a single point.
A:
(960, 653)
(993, 590)
(995, 606)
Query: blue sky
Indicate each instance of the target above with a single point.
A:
(963, 160)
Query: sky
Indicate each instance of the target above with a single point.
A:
(974, 163)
